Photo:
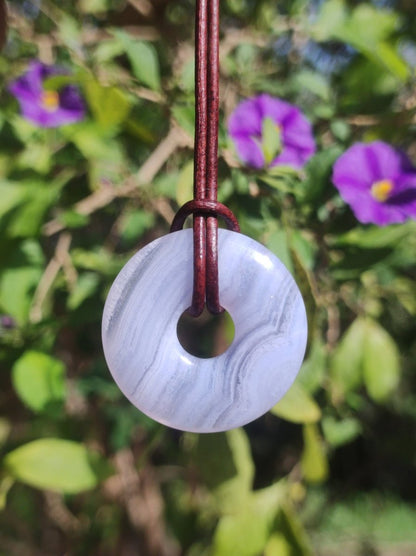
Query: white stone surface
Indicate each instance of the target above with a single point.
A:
(186, 392)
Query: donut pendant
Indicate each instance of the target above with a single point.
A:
(164, 381)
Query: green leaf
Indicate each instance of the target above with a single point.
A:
(39, 380)
(184, 186)
(278, 243)
(243, 534)
(313, 82)
(313, 461)
(366, 353)
(277, 545)
(11, 196)
(225, 463)
(332, 17)
(6, 484)
(185, 116)
(346, 363)
(271, 140)
(73, 219)
(313, 370)
(37, 157)
(372, 237)
(110, 105)
(246, 531)
(367, 29)
(318, 172)
(54, 464)
(24, 205)
(405, 291)
(297, 406)
(143, 59)
(18, 281)
(5, 428)
(305, 248)
(291, 526)
(85, 287)
(338, 433)
(94, 6)
(381, 362)
(134, 224)
(93, 143)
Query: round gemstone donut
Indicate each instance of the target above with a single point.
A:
(189, 393)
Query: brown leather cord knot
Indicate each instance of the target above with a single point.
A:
(205, 206)
(201, 208)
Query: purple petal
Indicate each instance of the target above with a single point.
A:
(249, 151)
(274, 108)
(387, 162)
(297, 133)
(48, 118)
(245, 128)
(29, 85)
(360, 167)
(246, 119)
(354, 170)
(364, 164)
(404, 195)
(70, 99)
(29, 89)
(369, 211)
(290, 157)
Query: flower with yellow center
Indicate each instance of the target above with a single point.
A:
(50, 100)
(378, 181)
(381, 190)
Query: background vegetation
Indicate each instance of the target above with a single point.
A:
(332, 468)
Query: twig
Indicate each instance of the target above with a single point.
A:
(144, 504)
(163, 208)
(59, 260)
(59, 513)
(175, 139)
(144, 7)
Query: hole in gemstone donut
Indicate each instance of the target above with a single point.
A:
(207, 335)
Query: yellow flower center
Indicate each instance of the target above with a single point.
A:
(381, 190)
(50, 100)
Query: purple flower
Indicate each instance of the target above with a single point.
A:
(378, 182)
(256, 119)
(7, 322)
(43, 107)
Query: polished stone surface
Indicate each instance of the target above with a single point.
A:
(183, 391)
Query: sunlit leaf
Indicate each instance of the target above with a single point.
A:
(54, 464)
(277, 545)
(372, 237)
(314, 368)
(38, 380)
(278, 243)
(18, 280)
(225, 463)
(313, 461)
(346, 363)
(271, 139)
(185, 116)
(381, 362)
(86, 286)
(297, 406)
(109, 105)
(246, 531)
(340, 432)
(143, 59)
(184, 186)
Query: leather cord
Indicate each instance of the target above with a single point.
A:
(205, 207)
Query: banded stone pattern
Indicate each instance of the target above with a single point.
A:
(180, 390)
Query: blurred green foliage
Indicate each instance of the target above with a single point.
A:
(83, 472)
